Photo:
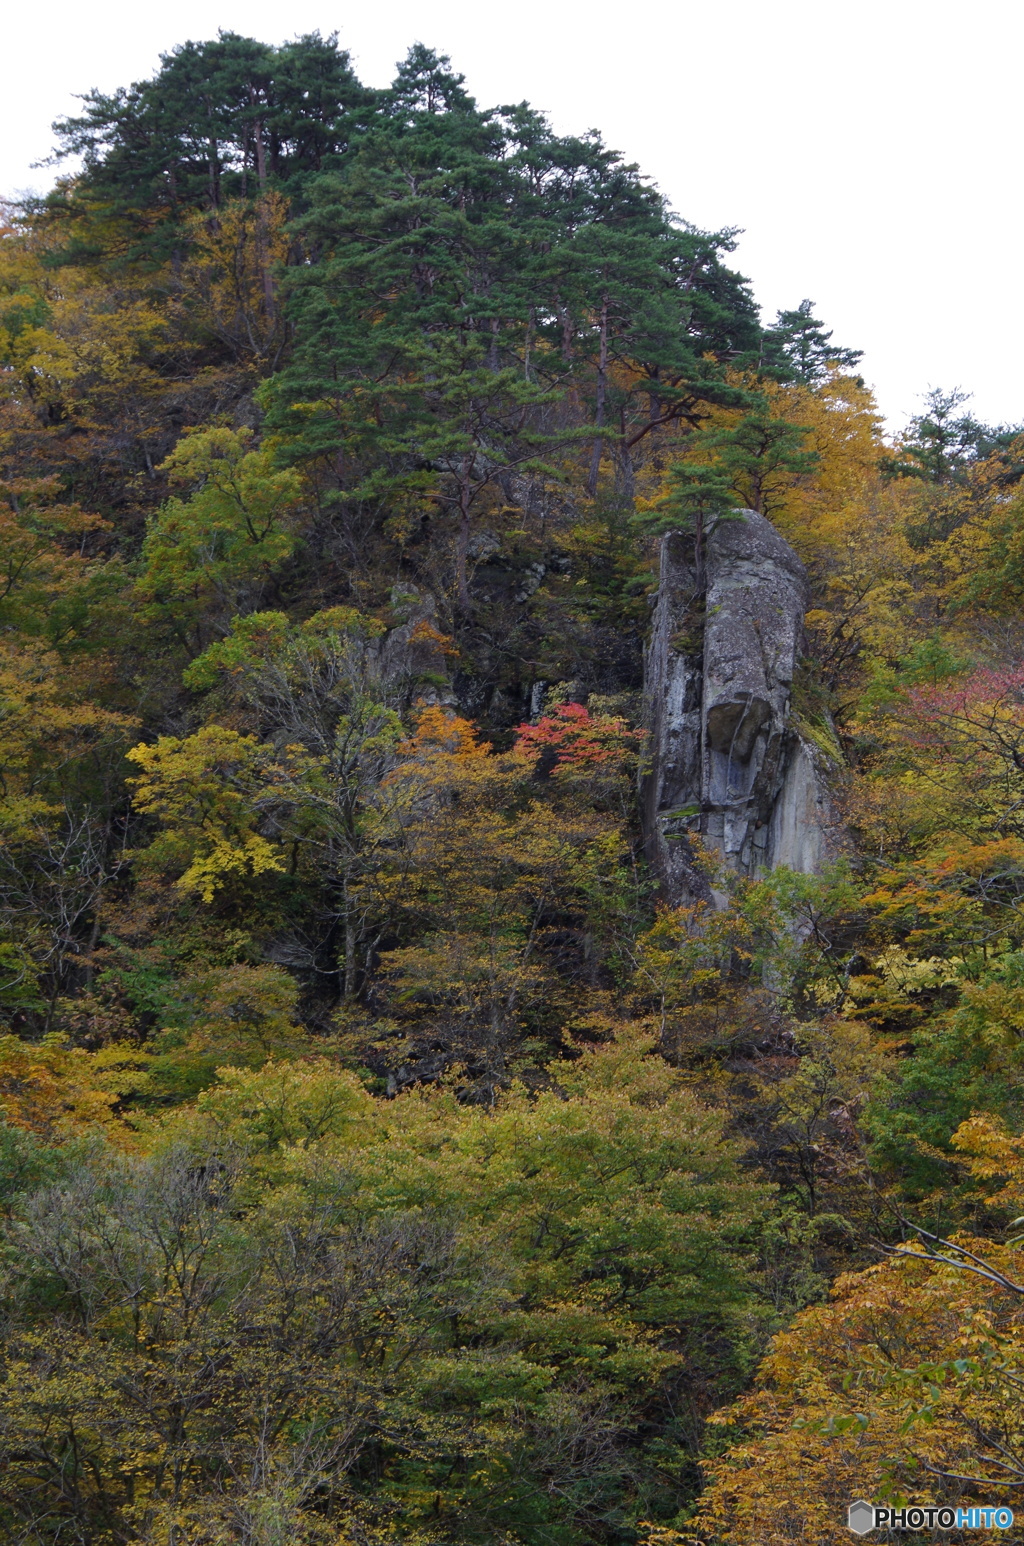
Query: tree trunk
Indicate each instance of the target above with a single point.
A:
(625, 475)
(261, 158)
(213, 161)
(350, 959)
(602, 382)
(262, 224)
(263, 259)
(462, 545)
(94, 939)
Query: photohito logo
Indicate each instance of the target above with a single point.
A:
(863, 1516)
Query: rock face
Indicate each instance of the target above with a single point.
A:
(412, 655)
(726, 760)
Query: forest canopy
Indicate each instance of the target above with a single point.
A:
(384, 1158)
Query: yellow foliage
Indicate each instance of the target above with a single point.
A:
(228, 280)
(209, 791)
(72, 342)
(46, 719)
(241, 1013)
(992, 1153)
(886, 1389)
(42, 546)
(294, 1104)
(55, 1090)
(906, 1386)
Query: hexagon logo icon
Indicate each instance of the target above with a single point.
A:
(860, 1516)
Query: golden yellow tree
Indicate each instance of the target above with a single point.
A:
(906, 1386)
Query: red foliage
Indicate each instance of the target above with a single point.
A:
(986, 705)
(579, 739)
(988, 687)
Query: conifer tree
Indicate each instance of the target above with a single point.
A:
(798, 348)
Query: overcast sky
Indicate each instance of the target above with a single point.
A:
(870, 151)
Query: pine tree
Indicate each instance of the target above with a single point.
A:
(222, 119)
(798, 348)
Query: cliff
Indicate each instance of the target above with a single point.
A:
(727, 760)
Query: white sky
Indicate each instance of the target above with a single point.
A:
(869, 149)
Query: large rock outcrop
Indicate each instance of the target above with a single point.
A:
(726, 759)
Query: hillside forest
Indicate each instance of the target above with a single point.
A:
(383, 1160)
